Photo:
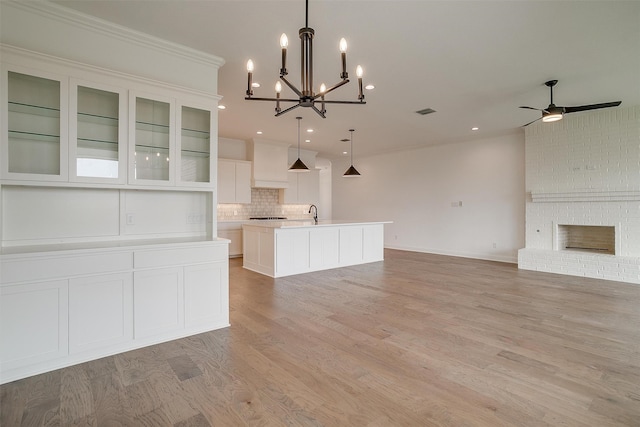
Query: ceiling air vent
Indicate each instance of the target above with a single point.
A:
(426, 111)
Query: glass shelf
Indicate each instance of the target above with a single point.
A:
(194, 133)
(152, 127)
(192, 153)
(36, 110)
(94, 118)
(32, 136)
(89, 141)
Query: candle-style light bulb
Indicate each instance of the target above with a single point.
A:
(343, 54)
(343, 45)
(359, 73)
(284, 42)
(323, 89)
(278, 90)
(249, 77)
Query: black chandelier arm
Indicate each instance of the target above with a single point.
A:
(344, 102)
(279, 113)
(291, 86)
(321, 113)
(251, 98)
(332, 88)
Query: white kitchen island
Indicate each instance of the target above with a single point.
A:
(283, 248)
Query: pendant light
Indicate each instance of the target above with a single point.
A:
(351, 172)
(298, 165)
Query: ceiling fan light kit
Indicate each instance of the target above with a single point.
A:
(554, 113)
(306, 95)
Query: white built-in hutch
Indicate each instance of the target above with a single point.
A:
(108, 160)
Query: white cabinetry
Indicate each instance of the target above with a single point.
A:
(100, 311)
(281, 249)
(79, 126)
(106, 301)
(35, 124)
(34, 320)
(97, 133)
(232, 230)
(234, 181)
(304, 188)
(270, 167)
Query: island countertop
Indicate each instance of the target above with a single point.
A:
(308, 223)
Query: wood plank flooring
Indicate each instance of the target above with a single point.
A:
(416, 340)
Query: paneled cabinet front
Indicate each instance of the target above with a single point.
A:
(102, 303)
(234, 181)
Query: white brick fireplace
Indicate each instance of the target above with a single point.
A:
(583, 182)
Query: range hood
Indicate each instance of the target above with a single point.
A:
(269, 161)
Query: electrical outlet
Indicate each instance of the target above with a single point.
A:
(494, 245)
(131, 219)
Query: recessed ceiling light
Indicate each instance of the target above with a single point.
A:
(309, 130)
(259, 132)
(369, 87)
(474, 128)
(345, 152)
(255, 84)
(307, 140)
(221, 107)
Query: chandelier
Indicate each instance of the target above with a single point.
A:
(306, 95)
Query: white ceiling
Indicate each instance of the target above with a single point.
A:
(474, 62)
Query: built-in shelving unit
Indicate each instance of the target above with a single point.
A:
(107, 192)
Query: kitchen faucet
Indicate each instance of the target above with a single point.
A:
(315, 212)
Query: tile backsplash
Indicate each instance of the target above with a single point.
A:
(264, 202)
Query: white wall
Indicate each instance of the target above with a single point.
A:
(416, 189)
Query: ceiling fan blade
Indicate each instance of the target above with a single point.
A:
(531, 122)
(530, 108)
(591, 107)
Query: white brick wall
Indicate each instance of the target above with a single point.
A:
(264, 202)
(584, 170)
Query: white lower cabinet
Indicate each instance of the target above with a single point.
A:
(158, 302)
(34, 319)
(100, 311)
(153, 294)
(206, 294)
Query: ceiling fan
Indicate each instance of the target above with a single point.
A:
(554, 113)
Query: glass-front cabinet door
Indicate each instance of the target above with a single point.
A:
(195, 126)
(98, 129)
(34, 146)
(152, 141)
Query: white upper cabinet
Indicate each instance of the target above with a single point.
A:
(103, 129)
(304, 188)
(171, 143)
(197, 163)
(35, 125)
(234, 181)
(151, 140)
(97, 133)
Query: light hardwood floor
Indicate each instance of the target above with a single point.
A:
(416, 340)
